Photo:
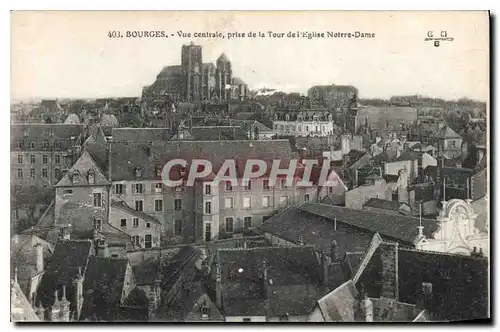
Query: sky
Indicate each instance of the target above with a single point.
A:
(70, 55)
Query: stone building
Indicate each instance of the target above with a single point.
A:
(316, 123)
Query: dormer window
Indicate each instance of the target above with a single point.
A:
(315, 118)
(75, 177)
(300, 118)
(287, 117)
(138, 172)
(25, 134)
(205, 310)
(91, 176)
(158, 171)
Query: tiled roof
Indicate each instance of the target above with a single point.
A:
(83, 166)
(294, 272)
(139, 214)
(103, 286)
(62, 270)
(459, 283)
(382, 204)
(23, 257)
(446, 132)
(170, 71)
(65, 135)
(176, 264)
(385, 157)
(215, 133)
(20, 308)
(410, 155)
(140, 135)
(401, 228)
(126, 157)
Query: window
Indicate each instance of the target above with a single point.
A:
(330, 190)
(45, 173)
(247, 222)
(98, 224)
(57, 145)
(91, 176)
(229, 225)
(158, 205)
(247, 202)
(136, 240)
(208, 189)
(177, 204)
(19, 173)
(228, 202)
(57, 159)
(76, 177)
(178, 227)
(57, 173)
(20, 144)
(248, 185)
(158, 187)
(135, 222)
(266, 184)
(148, 241)
(246, 320)
(45, 144)
(32, 172)
(97, 199)
(208, 232)
(283, 184)
(138, 188)
(139, 205)
(229, 187)
(266, 201)
(453, 143)
(68, 191)
(148, 225)
(45, 159)
(32, 159)
(20, 159)
(306, 198)
(208, 207)
(123, 222)
(283, 200)
(32, 144)
(119, 189)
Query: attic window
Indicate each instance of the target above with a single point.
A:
(205, 311)
(158, 171)
(91, 176)
(138, 172)
(75, 177)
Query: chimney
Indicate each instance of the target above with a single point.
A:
(334, 255)
(66, 233)
(218, 287)
(40, 311)
(64, 305)
(426, 296)
(78, 282)
(301, 240)
(55, 311)
(157, 291)
(39, 258)
(325, 265)
(102, 248)
(265, 280)
(389, 257)
(367, 308)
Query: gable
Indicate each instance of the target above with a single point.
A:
(83, 167)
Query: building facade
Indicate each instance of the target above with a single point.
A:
(303, 123)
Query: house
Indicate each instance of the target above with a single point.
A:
(82, 208)
(272, 284)
(21, 309)
(387, 206)
(317, 123)
(436, 282)
(374, 187)
(80, 276)
(29, 255)
(448, 142)
(347, 304)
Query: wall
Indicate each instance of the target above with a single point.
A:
(77, 208)
(357, 197)
(117, 214)
(393, 168)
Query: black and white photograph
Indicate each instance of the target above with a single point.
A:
(250, 166)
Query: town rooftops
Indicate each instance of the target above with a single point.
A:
(126, 158)
(59, 136)
(292, 285)
(447, 133)
(397, 227)
(140, 135)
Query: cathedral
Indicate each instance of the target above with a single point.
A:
(195, 81)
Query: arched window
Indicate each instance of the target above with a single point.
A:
(91, 176)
